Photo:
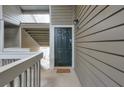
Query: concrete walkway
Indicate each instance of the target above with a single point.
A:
(49, 78)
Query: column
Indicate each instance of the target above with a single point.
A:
(1, 30)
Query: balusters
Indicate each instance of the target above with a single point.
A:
(12, 83)
(39, 73)
(7, 85)
(25, 73)
(0, 62)
(35, 75)
(16, 82)
(24, 82)
(32, 76)
(7, 61)
(25, 78)
(20, 80)
(28, 77)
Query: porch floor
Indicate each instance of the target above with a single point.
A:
(49, 78)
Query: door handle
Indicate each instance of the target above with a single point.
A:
(70, 42)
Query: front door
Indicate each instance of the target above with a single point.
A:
(63, 46)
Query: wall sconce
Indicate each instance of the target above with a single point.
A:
(75, 22)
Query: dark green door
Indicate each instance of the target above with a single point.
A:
(63, 46)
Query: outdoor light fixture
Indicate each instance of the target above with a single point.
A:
(75, 21)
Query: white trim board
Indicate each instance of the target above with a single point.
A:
(52, 44)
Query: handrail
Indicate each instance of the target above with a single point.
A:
(9, 72)
(16, 55)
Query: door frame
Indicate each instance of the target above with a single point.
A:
(52, 52)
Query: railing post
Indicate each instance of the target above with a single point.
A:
(39, 74)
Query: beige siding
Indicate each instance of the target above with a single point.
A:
(29, 42)
(61, 15)
(99, 47)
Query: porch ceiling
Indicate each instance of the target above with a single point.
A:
(40, 35)
(34, 9)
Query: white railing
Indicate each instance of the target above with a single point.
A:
(10, 57)
(4, 62)
(22, 73)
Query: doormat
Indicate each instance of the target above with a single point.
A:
(63, 71)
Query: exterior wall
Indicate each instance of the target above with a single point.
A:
(99, 45)
(29, 42)
(12, 14)
(60, 16)
(11, 38)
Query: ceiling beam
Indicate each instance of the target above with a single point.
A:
(40, 38)
(38, 34)
(30, 26)
(35, 11)
(41, 31)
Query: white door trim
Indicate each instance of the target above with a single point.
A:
(52, 44)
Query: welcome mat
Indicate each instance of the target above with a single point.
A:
(63, 71)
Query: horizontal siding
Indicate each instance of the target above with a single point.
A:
(61, 15)
(99, 41)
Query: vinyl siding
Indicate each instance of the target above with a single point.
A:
(61, 15)
(99, 41)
